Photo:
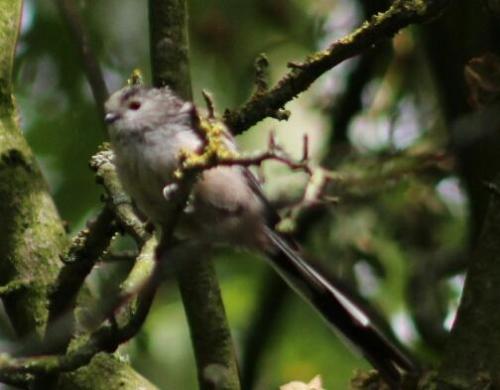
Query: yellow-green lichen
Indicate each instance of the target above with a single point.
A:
(136, 78)
(217, 148)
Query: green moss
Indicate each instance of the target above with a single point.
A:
(105, 372)
(32, 235)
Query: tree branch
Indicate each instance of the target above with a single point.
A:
(380, 27)
(144, 278)
(472, 351)
(87, 247)
(169, 45)
(117, 199)
(32, 236)
(215, 358)
(81, 37)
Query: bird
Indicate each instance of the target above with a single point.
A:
(149, 129)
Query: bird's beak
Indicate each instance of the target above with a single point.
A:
(111, 117)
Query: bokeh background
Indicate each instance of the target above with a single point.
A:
(388, 102)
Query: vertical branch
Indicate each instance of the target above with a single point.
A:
(169, 45)
(472, 356)
(32, 235)
(214, 351)
(213, 348)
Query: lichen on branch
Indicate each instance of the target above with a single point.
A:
(269, 102)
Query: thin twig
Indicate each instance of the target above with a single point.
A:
(126, 256)
(209, 102)
(102, 164)
(261, 74)
(217, 154)
(70, 13)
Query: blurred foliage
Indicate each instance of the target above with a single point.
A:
(371, 240)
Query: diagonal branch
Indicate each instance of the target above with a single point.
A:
(144, 278)
(87, 247)
(69, 12)
(117, 199)
(380, 27)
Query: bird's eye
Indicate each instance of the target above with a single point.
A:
(134, 105)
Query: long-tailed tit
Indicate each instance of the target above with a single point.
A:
(149, 128)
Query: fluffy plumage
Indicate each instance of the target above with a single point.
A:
(149, 128)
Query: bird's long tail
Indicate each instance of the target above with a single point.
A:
(340, 311)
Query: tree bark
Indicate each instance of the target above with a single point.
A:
(213, 347)
(472, 356)
(32, 235)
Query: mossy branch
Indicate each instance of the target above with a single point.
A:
(32, 236)
(269, 103)
(144, 279)
(116, 198)
(83, 254)
(169, 45)
(198, 285)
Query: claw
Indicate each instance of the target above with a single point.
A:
(169, 190)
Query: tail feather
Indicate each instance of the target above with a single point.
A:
(340, 311)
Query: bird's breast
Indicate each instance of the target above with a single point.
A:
(146, 164)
